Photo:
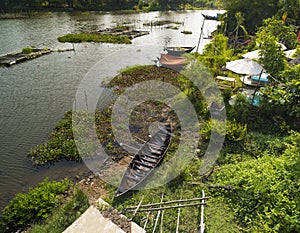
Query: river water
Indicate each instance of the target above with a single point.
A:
(35, 94)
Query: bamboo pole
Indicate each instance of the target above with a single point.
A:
(165, 208)
(137, 208)
(167, 202)
(145, 224)
(161, 221)
(178, 216)
(157, 217)
(200, 34)
(202, 225)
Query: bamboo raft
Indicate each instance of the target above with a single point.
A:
(10, 59)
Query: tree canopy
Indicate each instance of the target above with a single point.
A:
(105, 5)
(255, 11)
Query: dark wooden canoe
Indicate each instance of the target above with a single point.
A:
(209, 17)
(145, 160)
(178, 51)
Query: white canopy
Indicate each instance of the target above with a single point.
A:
(244, 66)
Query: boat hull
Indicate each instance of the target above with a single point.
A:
(145, 161)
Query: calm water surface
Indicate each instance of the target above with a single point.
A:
(34, 95)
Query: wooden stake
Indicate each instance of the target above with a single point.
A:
(202, 225)
(145, 224)
(157, 217)
(178, 216)
(137, 208)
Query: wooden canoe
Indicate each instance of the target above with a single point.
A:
(178, 51)
(145, 160)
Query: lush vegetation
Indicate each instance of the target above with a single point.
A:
(104, 5)
(36, 205)
(253, 13)
(78, 38)
(63, 216)
(254, 184)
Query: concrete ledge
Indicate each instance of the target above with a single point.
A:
(92, 221)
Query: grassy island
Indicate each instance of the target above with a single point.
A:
(99, 38)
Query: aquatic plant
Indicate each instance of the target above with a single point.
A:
(27, 50)
(99, 38)
(187, 32)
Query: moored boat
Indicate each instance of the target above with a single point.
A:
(145, 160)
(179, 50)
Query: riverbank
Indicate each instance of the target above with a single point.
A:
(27, 12)
(244, 152)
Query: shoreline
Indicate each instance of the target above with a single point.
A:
(48, 11)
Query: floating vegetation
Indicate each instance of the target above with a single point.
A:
(187, 32)
(61, 143)
(175, 28)
(160, 23)
(99, 38)
(27, 50)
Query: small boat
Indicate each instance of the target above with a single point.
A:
(145, 160)
(172, 62)
(178, 51)
(209, 17)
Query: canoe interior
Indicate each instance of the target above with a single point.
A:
(145, 160)
(178, 51)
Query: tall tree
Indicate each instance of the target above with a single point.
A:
(254, 11)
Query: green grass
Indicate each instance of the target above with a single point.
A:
(99, 38)
(63, 216)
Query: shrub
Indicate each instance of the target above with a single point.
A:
(235, 131)
(266, 190)
(64, 216)
(35, 205)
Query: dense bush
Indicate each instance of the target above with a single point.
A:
(35, 205)
(234, 131)
(65, 215)
(266, 190)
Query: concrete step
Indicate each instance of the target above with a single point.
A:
(92, 221)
